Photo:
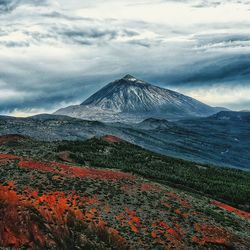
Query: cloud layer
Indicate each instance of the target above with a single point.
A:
(57, 52)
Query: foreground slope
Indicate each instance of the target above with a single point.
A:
(130, 100)
(57, 205)
(229, 185)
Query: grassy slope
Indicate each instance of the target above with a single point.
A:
(130, 209)
(228, 185)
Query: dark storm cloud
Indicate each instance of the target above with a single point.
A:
(60, 54)
(12, 44)
(58, 15)
(232, 70)
(85, 37)
(229, 69)
(94, 35)
(72, 35)
(220, 69)
(222, 40)
(59, 90)
(144, 43)
(9, 5)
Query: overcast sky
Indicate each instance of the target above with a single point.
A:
(54, 53)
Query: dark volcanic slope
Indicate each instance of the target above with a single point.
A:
(232, 116)
(220, 138)
(52, 127)
(57, 205)
(214, 140)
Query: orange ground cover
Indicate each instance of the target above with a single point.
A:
(18, 227)
(73, 171)
(111, 138)
(228, 208)
(9, 157)
(211, 234)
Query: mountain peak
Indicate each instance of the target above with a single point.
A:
(129, 77)
(132, 95)
(130, 98)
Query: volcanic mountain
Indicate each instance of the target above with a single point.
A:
(132, 100)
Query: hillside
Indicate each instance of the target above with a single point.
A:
(211, 140)
(241, 116)
(48, 201)
(225, 184)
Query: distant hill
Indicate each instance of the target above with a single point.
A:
(214, 140)
(153, 123)
(242, 116)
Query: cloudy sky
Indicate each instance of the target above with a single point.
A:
(55, 53)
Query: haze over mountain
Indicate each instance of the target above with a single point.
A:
(132, 100)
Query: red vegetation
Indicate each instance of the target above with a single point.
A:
(19, 228)
(134, 221)
(212, 234)
(163, 230)
(16, 227)
(112, 138)
(73, 172)
(148, 187)
(182, 202)
(35, 165)
(228, 208)
(129, 218)
(11, 138)
(129, 189)
(45, 219)
(9, 157)
(4, 161)
(67, 170)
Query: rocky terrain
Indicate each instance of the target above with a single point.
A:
(221, 139)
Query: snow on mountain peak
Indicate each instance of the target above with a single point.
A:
(130, 78)
(139, 100)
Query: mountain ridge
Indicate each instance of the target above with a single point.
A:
(133, 100)
(210, 140)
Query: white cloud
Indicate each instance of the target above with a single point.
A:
(27, 112)
(220, 95)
